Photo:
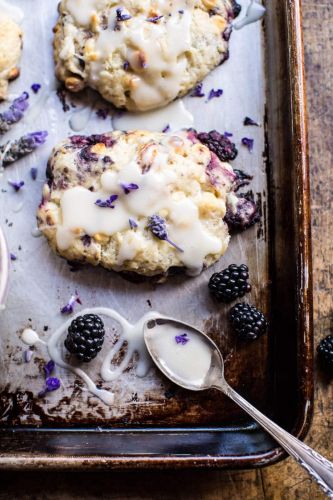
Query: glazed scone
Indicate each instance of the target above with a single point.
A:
(10, 52)
(139, 202)
(141, 54)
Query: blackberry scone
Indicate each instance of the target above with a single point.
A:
(10, 53)
(137, 202)
(139, 54)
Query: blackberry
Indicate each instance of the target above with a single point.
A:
(231, 283)
(85, 337)
(247, 321)
(325, 351)
(219, 144)
(244, 215)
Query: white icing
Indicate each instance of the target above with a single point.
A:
(79, 119)
(175, 115)
(156, 194)
(30, 337)
(156, 52)
(36, 232)
(188, 363)
(132, 334)
(12, 11)
(254, 13)
(18, 207)
(82, 10)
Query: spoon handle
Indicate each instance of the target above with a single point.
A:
(317, 466)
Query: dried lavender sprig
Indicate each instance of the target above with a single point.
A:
(158, 227)
(14, 113)
(14, 150)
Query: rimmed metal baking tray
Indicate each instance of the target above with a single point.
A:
(160, 426)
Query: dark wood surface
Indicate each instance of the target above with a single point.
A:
(284, 480)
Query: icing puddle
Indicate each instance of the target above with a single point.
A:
(173, 117)
(254, 13)
(11, 11)
(132, 334)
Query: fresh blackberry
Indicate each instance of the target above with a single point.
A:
(231, 283)
(245, 214)
(247, 321)
(85, 337)
(236, 8)
(219, 144)
(325, 351)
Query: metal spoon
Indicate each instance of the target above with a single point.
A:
(317, 466)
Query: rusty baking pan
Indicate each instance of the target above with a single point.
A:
(156, 424)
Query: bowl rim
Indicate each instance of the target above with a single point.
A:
(4, 267)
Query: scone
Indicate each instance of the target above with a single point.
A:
(139, 202)
(141, 54)
(10, 53)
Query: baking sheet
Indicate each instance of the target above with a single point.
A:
(41, 283)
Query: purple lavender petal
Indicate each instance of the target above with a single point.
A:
(13, 257)
(86, 240)
(228, 134)
(34, 173)
(248, 121)
(246, 141)
(35, 87)
(182, 339)
(166, 129)
(17, 108)
(133, 224)
(42, 393)
(36, 138)
(69, 307)
(102, 113)
(157, 226)
(48, 368)
(214, 93)
(127, 188)
(16, 185)
(107, 203)
(197, 91)
(174, 245)
(52, 384)
(27, 355)
(121, 16)
(126, 65)
(154, 19)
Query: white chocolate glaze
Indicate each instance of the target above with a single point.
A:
(131, 334)
(30, 337)
(156, 51)
(36, 232)
(155, 195)
(15, 13)
(79, 119)
(254, 13)
(175, 116)
(188, 362)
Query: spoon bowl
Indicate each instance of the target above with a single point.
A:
(214, 365)
(190, 359)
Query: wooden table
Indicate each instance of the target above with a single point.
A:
(284, 480)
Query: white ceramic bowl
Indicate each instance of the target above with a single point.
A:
(4, 268)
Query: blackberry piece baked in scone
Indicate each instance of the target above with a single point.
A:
(139, 54)
(139, 202)
(10, 53)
